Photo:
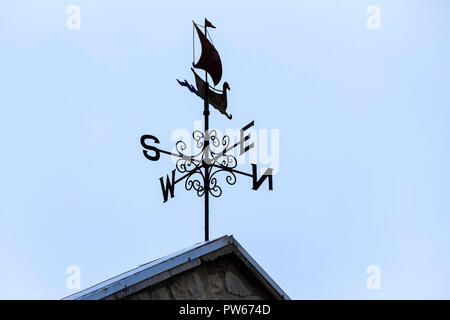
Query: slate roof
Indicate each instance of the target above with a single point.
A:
(170, 265)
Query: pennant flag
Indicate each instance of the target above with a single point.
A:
(208, 24)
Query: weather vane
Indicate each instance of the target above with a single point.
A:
(199, 172)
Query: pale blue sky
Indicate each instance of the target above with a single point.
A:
(364, 141)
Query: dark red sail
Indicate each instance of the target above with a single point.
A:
(209, 60)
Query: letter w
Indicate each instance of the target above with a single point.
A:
(170, 186)
(257, 183)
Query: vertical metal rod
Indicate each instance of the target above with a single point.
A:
(206, 149)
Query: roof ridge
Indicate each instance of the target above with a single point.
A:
(108, 282)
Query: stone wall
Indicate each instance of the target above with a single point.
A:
(223, 278)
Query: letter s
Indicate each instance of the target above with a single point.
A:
(148, 147)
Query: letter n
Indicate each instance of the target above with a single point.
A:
(257, 183)
(170, 186)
